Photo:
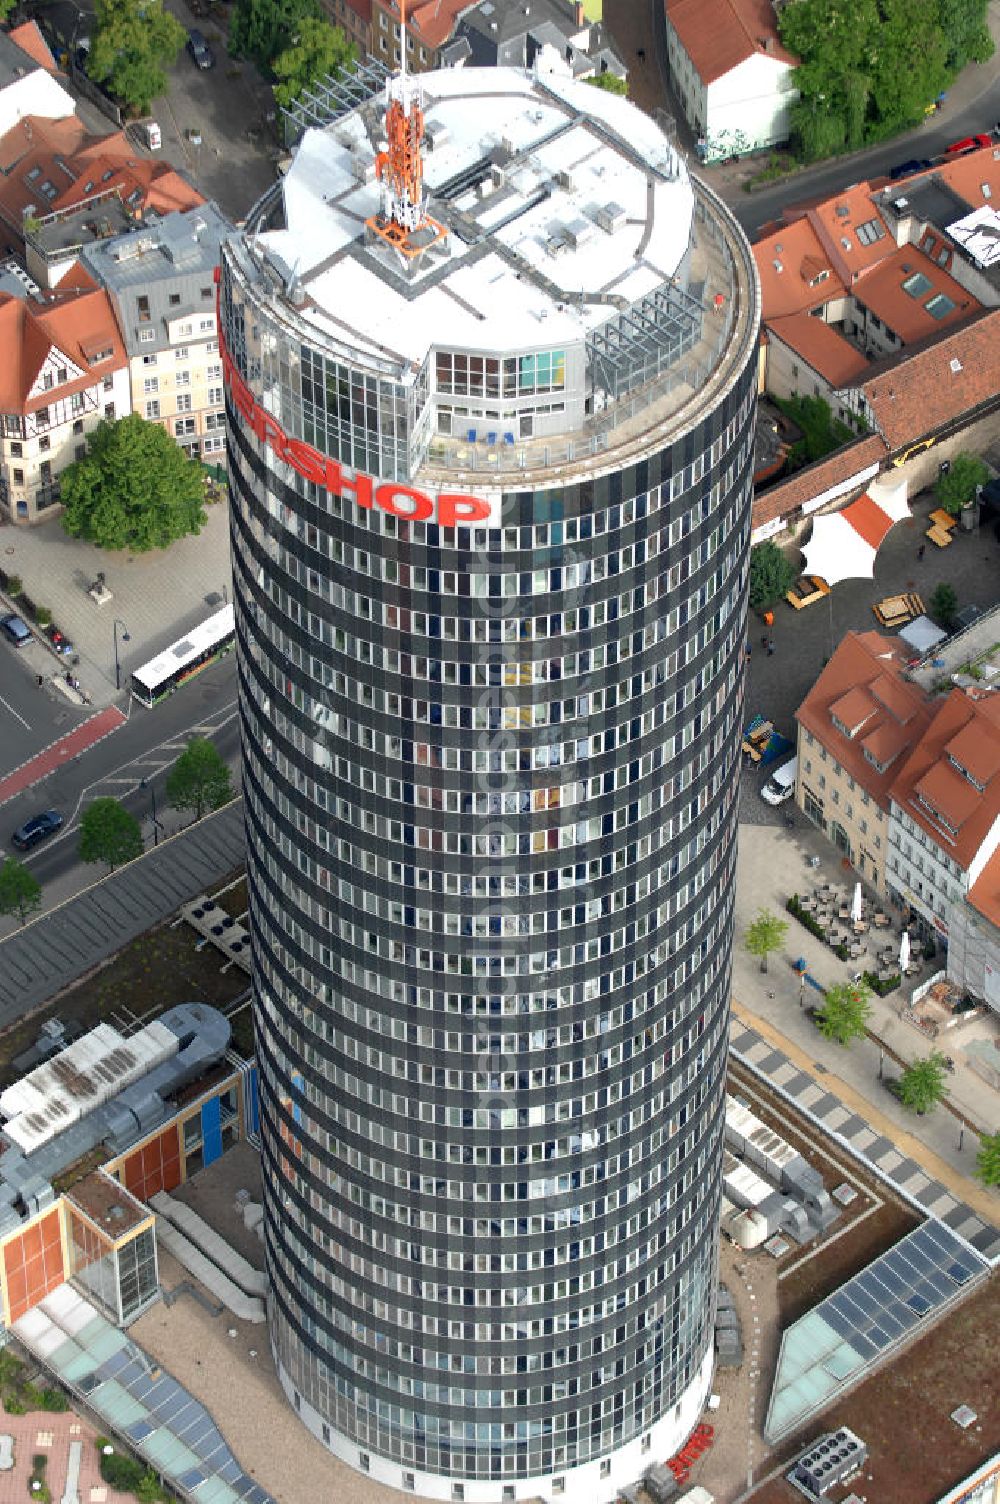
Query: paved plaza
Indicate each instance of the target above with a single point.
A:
(157, 596)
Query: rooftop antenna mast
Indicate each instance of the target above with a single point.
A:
(403, 220)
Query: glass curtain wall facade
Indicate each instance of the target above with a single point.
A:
(490, 779)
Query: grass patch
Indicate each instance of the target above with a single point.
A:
(822, 433)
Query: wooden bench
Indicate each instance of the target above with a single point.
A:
(805, 591)
(943, 519)
(938, 535)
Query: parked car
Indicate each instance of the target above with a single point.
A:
(907, 169)
(781, 784)
(37, 829)
(199, 49)
(16, 630)
(967, 143)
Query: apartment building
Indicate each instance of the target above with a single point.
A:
(354, 17)
(160, 279)
(861, 717)
(944, 817)
(65, 369)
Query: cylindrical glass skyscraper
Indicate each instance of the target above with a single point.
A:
(490, 473)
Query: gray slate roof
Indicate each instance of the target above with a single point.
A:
(174, 256)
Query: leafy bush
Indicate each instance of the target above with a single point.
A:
(54, 1400)
(13, 585)
(13, 1405)
(119, 1471)
(883, 989)
(809, 921)
(43, 615)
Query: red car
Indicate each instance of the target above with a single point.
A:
(968, 143)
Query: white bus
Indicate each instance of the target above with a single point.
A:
(182, 660)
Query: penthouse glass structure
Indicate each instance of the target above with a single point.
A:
(490, 520)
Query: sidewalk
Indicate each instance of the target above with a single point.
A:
(772, 866)
(157, 596)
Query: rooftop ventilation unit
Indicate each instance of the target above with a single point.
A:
(610, 217)
(565, 179)
(578, 231)
(436, 133)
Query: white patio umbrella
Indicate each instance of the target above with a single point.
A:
(904, 951)
(856, 905)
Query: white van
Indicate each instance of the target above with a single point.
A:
(781, 784)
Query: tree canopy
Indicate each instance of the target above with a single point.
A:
(944, 605)
(957, 488)
(988, 1159)
(199, 779)
(108, 833)
(845, 1012)
(771, 574)
(134, 489)
(134, 43)
(766, 933)
(318, 48)
(20, 890)
(921, 1086)
(262, 29)
(871, 68)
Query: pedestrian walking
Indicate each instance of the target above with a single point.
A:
(41, 681)
(921, 550)
(763, 641)
(770, 647)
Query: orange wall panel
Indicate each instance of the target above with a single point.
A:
(33, 1264)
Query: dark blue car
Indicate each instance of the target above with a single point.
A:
(907, 169)
(37, 829)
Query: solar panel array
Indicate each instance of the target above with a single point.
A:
(137, 1399)
(885, 1301)
(838, 1340)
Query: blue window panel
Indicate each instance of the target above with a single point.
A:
(211, 1131)
(251, 1101)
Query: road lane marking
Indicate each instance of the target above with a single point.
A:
(14, 713)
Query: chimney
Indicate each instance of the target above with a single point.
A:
(578, 9)
(767, 43)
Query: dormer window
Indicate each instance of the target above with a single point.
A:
(981, 787)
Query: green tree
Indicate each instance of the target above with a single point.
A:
(108, 833)
(134, 43)
(957, 488)
(921, 1086)
(318, 48)
(966, 34)
(134, 489)
(262, 29)
(6, 6)
(766, 933)
(199, 779)
(845, 1012)
(610, 82)
(771, 574)
(944, 605)
(20, 891)
(988, 1159)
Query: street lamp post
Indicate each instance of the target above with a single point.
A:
(145, 783)
(125, 638)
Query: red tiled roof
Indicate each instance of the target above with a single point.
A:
(821, 346)
(80, 324)
(837, 221)
(790, 264)
(785, 498)
(978, 755)
(930, 775)
(916, 393)
(847, 688)
(984, 895)
(967, 174)
(433, 21)
(882, 291)
(30, 40)
(718, 35)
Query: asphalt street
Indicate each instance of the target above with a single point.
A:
(31, 718)
(145, 748)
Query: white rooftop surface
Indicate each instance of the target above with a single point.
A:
(78, 1079)
(979, 233)
(482, 109)
(741, 1120)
